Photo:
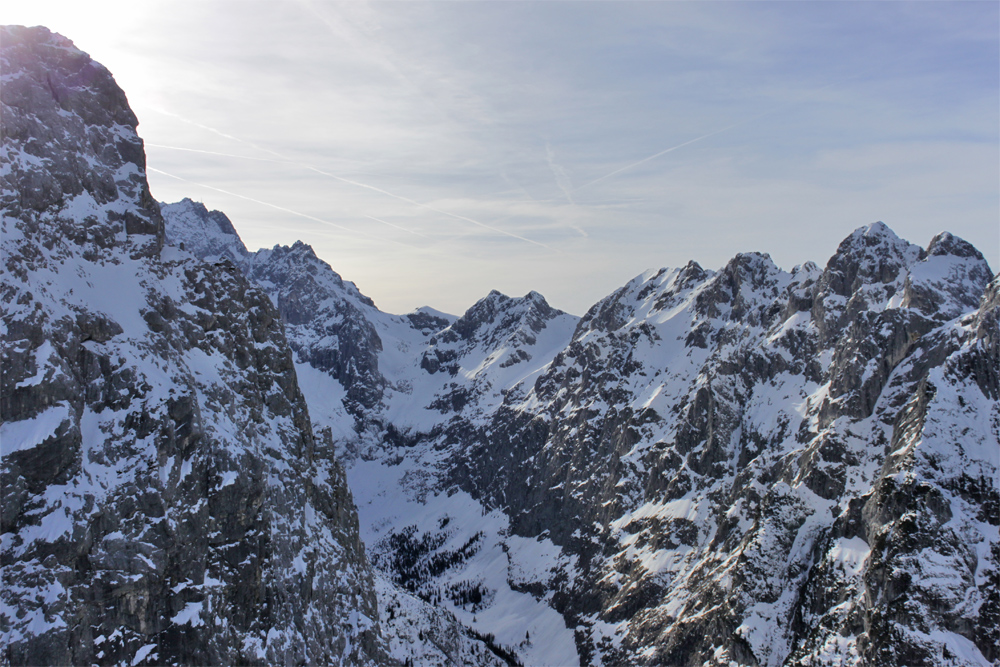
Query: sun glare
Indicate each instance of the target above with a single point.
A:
(112, 32)
(92, 26)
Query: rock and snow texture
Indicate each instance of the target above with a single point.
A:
(746, 466)
(370, 377)
(164, 498)
(209, 235)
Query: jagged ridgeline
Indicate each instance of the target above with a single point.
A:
(737, 467)
(165, 499)
(746, 466)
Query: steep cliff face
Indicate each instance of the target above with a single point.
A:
(327, 319)
(165, 499)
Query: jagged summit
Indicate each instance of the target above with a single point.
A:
(946, 243)
(496, 314)
(299, 263)
(875, 234)
(208, 235)
(71, 146)
(877, 229)
(434, 312)
(429, 320)
(75, 82)
(211, 236)
(674, 444)
(944, 283)
(870, 255)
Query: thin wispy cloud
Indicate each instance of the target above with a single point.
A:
(220, 133)
(427, 207)
(562, 147)
(217, 153)
(386, 222)
(561, 177)
(276, 207)
(286, 160)
(656, 155)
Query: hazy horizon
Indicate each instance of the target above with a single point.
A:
(431, 152)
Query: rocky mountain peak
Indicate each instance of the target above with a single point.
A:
(613, 311)
(497, 313)
(745, 289)
(535, 297)
(76, 82)
(870, 255)
(946, 243)
(945, 283)
(874, 268)
(70, 140)
(208, 235)
(164, 497)
(429, 320)
(323, 313)
(298, 264)
(753, 266)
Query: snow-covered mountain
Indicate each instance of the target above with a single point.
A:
(164, 497)
(745, 466)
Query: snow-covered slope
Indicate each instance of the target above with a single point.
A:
(165, 500)
(742, 413)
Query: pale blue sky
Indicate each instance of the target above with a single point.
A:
(434, 151)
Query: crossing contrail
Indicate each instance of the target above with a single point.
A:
(663, 152)
(409, 231)
(214, 131)
(198, 150)
(282, 208)
(706, 136)
(562, 178)
(425, 206)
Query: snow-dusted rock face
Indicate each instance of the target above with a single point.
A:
(70, 148)
(325, 317)
(164, 498)
(717, 434)
(208, 235)
(746, 466)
